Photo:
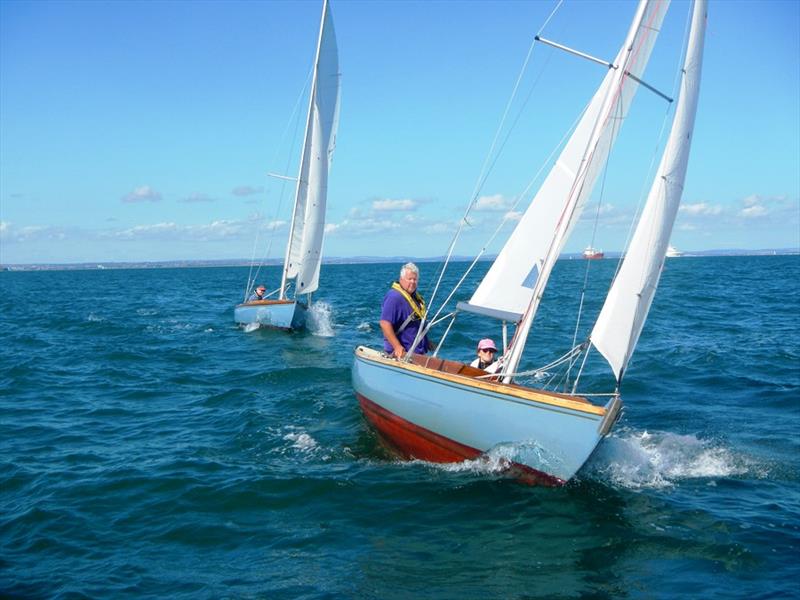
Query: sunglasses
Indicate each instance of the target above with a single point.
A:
(492, 350)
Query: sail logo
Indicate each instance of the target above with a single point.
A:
(530, 279)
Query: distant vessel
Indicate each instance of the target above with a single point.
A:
(592, 253)
(304, 248)
(673, 252)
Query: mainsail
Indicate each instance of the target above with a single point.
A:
(623, 315)
(515, 283)
(304, 250)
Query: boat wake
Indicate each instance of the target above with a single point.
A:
(319, 319)
(637, 460)
(498, 461)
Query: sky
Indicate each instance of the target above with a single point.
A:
(144, 131)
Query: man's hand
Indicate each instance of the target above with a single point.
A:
(388, 332)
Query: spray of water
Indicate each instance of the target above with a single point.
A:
(319, 319)
(637, 460)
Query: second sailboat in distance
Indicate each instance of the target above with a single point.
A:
(303, 256)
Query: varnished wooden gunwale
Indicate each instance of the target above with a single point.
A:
(466, 376)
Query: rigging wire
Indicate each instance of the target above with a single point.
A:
(293, 118)
(487, 165)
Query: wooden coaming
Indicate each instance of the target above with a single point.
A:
(460, 373)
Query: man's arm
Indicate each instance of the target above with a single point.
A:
(388, 333)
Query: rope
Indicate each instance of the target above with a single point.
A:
(487, 168)
(251, 278)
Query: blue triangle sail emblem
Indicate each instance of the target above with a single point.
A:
(530, 279)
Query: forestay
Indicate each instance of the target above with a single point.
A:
(526, 259)
(623, 315)
(304, 251)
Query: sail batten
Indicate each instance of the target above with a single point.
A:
(304, 248)
(622, 317)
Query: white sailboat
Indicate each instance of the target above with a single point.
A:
(304, 247)
(441, 410)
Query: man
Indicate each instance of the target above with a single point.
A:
(258, 294)
(401, 314)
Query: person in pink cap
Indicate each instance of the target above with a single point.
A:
(487, 352)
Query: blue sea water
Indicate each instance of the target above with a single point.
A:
(149, 448)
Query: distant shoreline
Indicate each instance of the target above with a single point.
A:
(196, 264)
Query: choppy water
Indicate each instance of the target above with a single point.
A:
(149, 448)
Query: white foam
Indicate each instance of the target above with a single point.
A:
(250, 327)
(301, 441)
(365, 326)
(93, 318)
(661, 459)
(320, 319)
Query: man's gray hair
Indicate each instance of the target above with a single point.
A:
(409, 267)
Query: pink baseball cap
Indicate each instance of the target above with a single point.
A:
(487, 344)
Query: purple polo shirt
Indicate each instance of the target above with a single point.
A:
(395, 309)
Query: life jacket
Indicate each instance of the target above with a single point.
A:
(415, 301)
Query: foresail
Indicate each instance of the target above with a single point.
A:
(532, 248)
(304, 253)
(623, 315)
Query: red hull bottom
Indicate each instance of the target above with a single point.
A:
(411, 441)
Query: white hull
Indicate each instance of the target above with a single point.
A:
(279, 314)
(440, 416)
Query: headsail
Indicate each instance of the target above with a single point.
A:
(623, 315)
(525, 261)
(304, 251)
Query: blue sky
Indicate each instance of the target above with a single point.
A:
(144, 130)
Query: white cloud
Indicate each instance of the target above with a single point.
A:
(11, 233)
(388, 205)
(246, 190)
(751, 200)
(513, 215)
(753, 211)
(142, 194)
(492, 203)
(700, 208)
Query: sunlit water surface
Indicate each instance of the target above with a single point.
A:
(150, 448)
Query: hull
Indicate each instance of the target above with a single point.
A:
(438, 411)
(593, 254)
(279, 314)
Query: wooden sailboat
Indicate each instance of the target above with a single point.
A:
(304, 247)
(444, 411)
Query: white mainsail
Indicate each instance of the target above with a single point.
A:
(524, 263)
(623, 315)
(304, 250)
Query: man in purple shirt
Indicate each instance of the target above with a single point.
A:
(401, 313)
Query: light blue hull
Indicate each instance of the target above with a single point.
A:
(280, 314)
(547, 433)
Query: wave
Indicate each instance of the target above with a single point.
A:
(637, 460)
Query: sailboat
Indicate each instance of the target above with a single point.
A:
(303, 255)
(439, 410)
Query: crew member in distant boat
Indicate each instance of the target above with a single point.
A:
(487, 352)
(402, 311)
(258, 294)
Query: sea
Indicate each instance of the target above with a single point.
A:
(150, 448)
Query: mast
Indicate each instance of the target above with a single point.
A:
(622, 317)
(601, 122)
(300, 182)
